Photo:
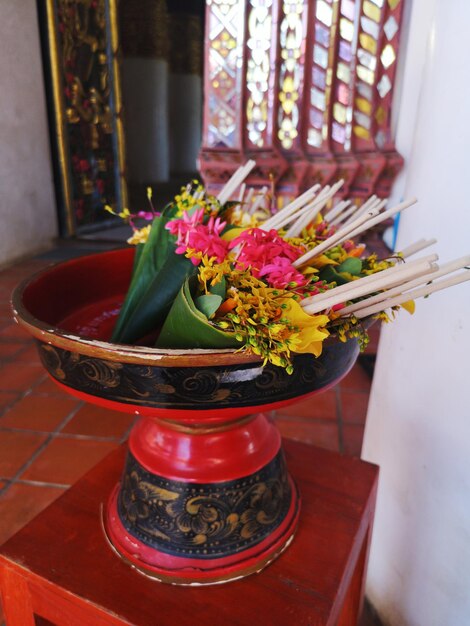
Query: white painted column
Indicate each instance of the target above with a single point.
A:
(28, 219)
(418, 425)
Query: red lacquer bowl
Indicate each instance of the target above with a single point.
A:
(205, 496)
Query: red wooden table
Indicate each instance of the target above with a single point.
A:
(61, 568)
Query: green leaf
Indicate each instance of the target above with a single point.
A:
(138, 251)
(151, 259)
(330, 275)
(157, 299)
(219, 288)
(208, 304)
(186, 327)
(351, 265)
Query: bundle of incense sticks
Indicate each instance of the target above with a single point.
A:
(363, 297)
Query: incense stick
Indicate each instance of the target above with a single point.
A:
(414, 294)
(371, 278)
(419, 245)
(335, 239)
(308, 216)
(359, 289)
(235, 181)
(336, 211)
(452, 266)
(290, 208)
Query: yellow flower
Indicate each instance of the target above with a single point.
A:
(311, 332)
(409, 306)
(140, 236)
(125, 213)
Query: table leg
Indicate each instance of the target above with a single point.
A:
(16, 598)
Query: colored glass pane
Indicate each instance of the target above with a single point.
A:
(362, 120)
(316, 118)
(324, 12)
(365, 90)
(319, 78)
(366, 75)
(390, 28)
(380, 115)
(384, 85)
(343, 72)
(366, 59)
(361, 132)
(370, 27)
(314, 138)
(339, 113)
(348, 9)
(317, 98)
(371, 10)
(346, 29)
(343, 94)
(322, 35)
(345, 51)
(388, 56)
(368, 43)
(320, 56)
(338, 133)
(364, 105)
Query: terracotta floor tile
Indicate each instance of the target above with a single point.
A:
(29, 355)
(98, 422)
(35, 412)
(14, 331)
(7, 398)
(321, 434)
(356, 380)
(66, 459)
(20, 504)
(19, 376)
(3, 483)
(374, 336)
(319, 406)
(49, 387)
(352, 439)
(354, 406)
(16, 448)
(8, 350)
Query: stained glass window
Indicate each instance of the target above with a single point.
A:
(302, 86)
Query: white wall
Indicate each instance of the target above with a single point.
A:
(418, 425)
(27, 203)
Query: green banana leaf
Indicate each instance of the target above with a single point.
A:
(186, 327)
(343, 273)
(150, 258)
(155, 303)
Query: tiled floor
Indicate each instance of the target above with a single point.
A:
(48, 440)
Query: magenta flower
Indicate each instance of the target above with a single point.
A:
(183, 226)
(203, 239)
(280, 273)
(269, 256)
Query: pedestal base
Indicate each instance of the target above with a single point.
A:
(225, 512)
(198, 572)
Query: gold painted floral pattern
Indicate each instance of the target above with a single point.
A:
(197, 387)
(204, 520)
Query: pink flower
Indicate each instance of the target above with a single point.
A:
(147, 215)
(182, 227)
(270, 256)
(201, 238)
(281, 272)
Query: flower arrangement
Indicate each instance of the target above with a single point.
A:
(214, 272)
